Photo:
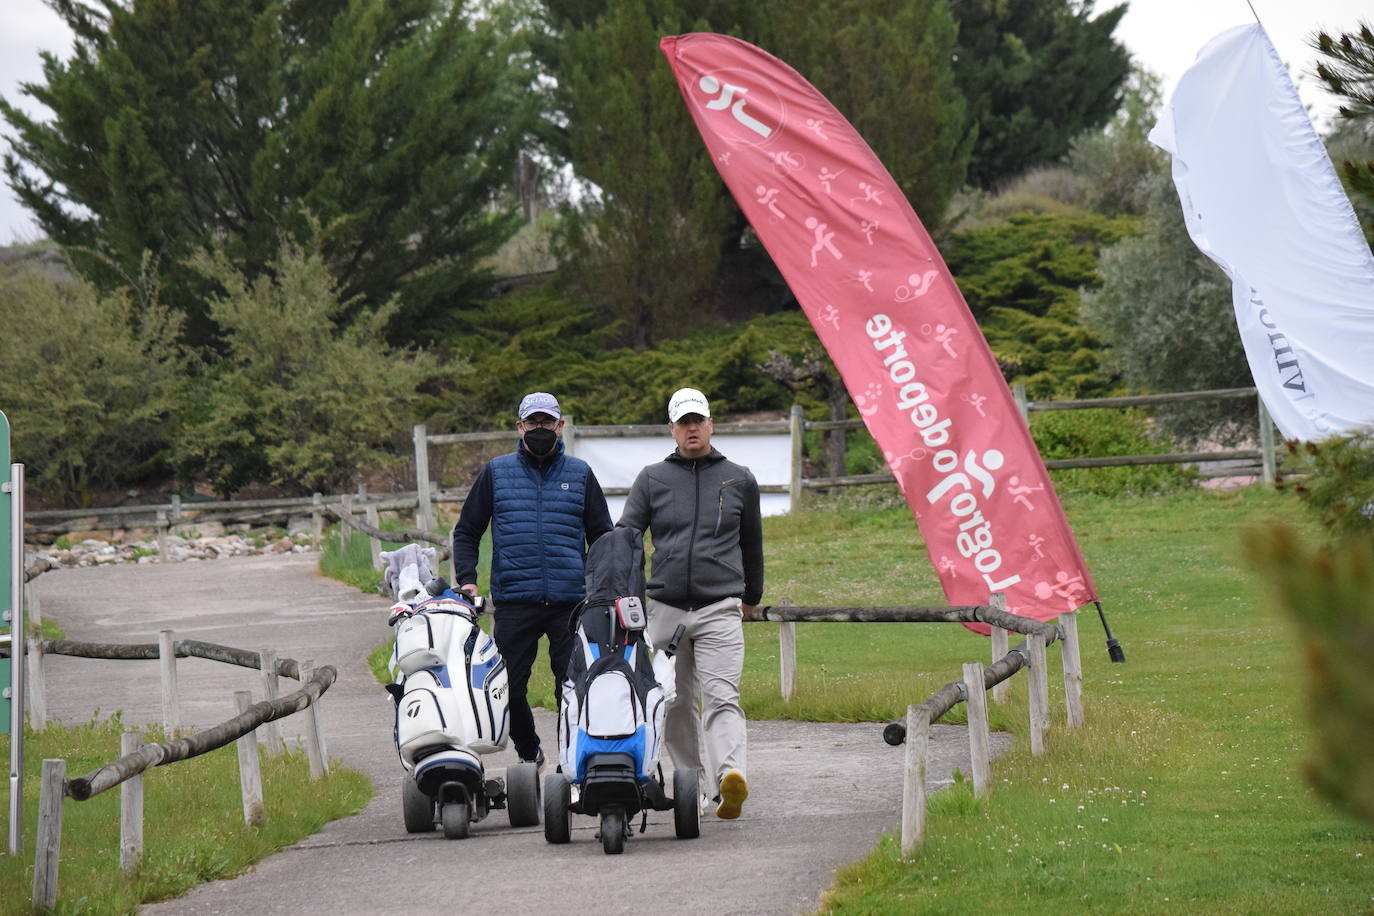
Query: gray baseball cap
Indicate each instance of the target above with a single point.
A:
(540, 402)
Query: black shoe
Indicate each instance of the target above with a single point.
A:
(538, 759)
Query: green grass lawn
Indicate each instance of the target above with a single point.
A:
(193, 821)
(1181, 792)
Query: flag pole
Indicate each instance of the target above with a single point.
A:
(1252, 11)
(1114, 649)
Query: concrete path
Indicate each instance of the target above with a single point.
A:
(821, 794)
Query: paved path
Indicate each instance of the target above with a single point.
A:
(821, 794)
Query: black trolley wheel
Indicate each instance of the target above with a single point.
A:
(417, 808)
(686, 813)
(457, 818)
(522, 794)
(612, 831)
(557, 798)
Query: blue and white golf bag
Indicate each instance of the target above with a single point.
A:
(614, 697)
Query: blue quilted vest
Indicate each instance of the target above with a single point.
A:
(537, 537)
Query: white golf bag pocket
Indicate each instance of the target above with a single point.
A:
(422, 640)
(426, 716)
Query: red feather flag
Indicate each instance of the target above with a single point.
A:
(893, 321)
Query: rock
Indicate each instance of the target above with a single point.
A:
(281, 546)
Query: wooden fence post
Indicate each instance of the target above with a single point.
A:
(374, 544)
(161, 524)
(1039, 694)
(35, 612)
(267, 661)
(36, 697)
(1073, 669)
(978, 728)
(1018, 391)
(167, 655)
(914, 779)
(998, 639)
(424, 508)
(317, 520)
(314, 741)
(1268, 468)
(48, 852)
(345, 516)
(130, 808)
(794, 428)
(176, 509)
(250, 771)
(569, 435)
(787, 655)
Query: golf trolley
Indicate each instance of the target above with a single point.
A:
(450, 695)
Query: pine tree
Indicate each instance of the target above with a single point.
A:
(1035, 73)
(1348, 72)
(394, 123)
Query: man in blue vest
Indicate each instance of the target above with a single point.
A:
(544, 508)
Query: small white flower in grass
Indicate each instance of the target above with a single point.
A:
(1104, 820)
(1080, 826)
(1064, 786)
(1080, 807)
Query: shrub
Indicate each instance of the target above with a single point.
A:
(302, 397)
(90, 379)
(1337, 481)
(1100, 432)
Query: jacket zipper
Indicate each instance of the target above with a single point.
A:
(692, 541)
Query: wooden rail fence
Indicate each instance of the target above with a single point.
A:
(971, 689)
(136, 756)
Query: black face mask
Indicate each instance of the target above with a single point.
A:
(540, 441)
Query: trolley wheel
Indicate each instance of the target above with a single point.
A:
(456, 817)
(416, 807)
(522, 794)
(557, 798)
(613, 831)
(686, 813)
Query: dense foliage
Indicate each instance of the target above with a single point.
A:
(176, 125)
(1022, 279)
(303, 397)
(1165, 310)
(1348, 72)
(1336, 478)
(1035, 74)
(91, 381)
(1328, 592)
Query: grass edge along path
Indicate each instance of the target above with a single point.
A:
(193, 820)
(1182, 791)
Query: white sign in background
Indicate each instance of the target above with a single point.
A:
(617, 462)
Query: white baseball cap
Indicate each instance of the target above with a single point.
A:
(685, 401)
(539, 402)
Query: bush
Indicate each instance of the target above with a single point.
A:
(1100, 432)
(91, 382)
(302, 398)
(1337, 481)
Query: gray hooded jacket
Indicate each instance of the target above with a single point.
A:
(703, 515)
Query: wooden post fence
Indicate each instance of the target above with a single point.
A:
(1073, 669)
(914, 779)
(1268, 468)
(314, 740)
(272, 733)
(345, 513)
(1039, 694)
(373, 543)
(998, 640)
(250, 772)
(317, 521)
(424, 510)
(130, 808)
(978, 738)
(36, 696)
(794, 429)
(787, 655)
(48, 850)
(161, 523)
(167, 653)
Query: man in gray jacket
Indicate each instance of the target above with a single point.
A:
(703, 513)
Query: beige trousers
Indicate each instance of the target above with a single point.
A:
(705, 728)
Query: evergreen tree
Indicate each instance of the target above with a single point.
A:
(1035, 73)
(1348, 71)
(177, 125)
(661, 239)
(646, 239)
